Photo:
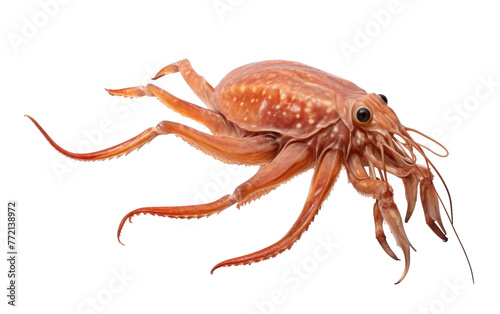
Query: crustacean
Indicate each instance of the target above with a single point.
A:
(287, 118)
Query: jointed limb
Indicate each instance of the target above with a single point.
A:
(256, 150)
(412, 177)
(198, 84)
(324, 177)
(294, 159)
(213, 120)
(382, 193)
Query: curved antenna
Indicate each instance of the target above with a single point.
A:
(418, 147)
(450, 217)
(430, 139)
(451, 221)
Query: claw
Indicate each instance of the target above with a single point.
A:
(430, 203)
(390, 214)
(169, 69)
(406, 252)
(379, 232)
(411, 184)
(131, 92)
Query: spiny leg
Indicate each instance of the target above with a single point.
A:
(292, 160)
(257, 150)
(187, 212)
(323, 179)
(196, 82)
(382, 192)
(115, 151)
(213, 120)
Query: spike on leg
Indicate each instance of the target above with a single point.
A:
(188, 212)
(255, 150)
(115, 151)
(323, 179)
(293, 160)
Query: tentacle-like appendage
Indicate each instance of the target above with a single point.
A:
(292, 160)
(116, 151)
(324, 177)
(187, 212)
(256, 150)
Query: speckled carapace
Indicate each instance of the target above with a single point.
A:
(287, 118)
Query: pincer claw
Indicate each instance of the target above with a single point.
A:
(379, 232)
(390, 214)
(169, 69)
(430, 203)
(411, 185)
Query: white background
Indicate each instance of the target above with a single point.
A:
(428, 57)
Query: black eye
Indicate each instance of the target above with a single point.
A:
(363, 114)
(384, 98)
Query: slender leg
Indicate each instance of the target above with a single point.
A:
(428, 196)
(213, 120)
(412, 177)
(382, 193)
(293, 160)
(257, 150)
(198, 84)
(324, 177)
(430, 203)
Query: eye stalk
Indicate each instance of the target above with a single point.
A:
(384, 98)
(363, 114)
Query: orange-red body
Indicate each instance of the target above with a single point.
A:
(288, 118)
